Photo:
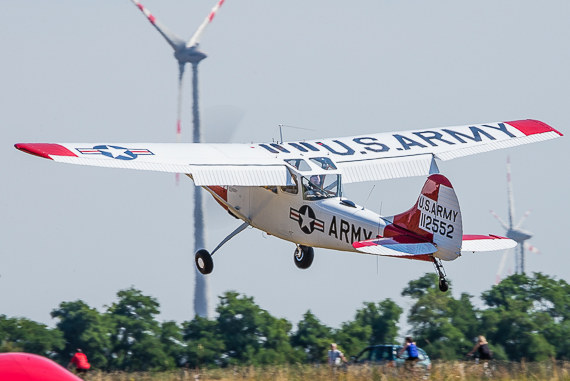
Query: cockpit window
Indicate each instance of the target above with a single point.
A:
(324, 162)
(317, 187)
(299, 164)
(293, 189)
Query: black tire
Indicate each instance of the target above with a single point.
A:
(443, 286)
(304, 256)
(204, 262)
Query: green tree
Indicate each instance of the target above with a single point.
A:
(204, 345)
(528, 317)
(382, 318)
(251, 335)
(352, 337)
(440, 324)
(171, 337)
(21, 334)
(83, 327)
(136, 335)
(312, 338)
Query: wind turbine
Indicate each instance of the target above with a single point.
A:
(189, 52)
(514, 231)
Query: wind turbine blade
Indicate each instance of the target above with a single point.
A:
(523, 218)
(196, 37)
(502, 266)
(179, 112)
(510, 197)
(179, 106)
(172, 39)
(531, 248)
(499, 219)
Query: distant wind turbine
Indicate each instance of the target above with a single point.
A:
(188, 52)
(514, 231)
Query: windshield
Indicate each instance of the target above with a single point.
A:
(322, 186)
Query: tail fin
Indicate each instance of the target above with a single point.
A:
(435, 218)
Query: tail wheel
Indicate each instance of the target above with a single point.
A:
(204, 261)
(304, 256)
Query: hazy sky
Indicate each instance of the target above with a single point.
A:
(96, 71)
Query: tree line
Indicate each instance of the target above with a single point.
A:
(523, 318)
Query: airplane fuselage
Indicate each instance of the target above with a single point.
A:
(326, 223)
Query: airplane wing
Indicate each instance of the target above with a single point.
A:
(400, 247)
(476, 243)
(359, 158)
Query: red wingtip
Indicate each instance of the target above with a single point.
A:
(531, 127)
(44, 149)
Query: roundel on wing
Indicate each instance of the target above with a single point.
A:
(116, 152)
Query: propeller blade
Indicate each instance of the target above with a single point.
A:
(499, 219)
(523, 218)
(172, 39)
(196, 37)
(510, 197)
(531, 248)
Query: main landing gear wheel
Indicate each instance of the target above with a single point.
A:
(204, 261)
(304, 256)
(443, 285)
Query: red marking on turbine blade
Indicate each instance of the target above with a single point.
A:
(44, 149)
(151, 18)
(532, 127)
(211, 16)
(178, 127)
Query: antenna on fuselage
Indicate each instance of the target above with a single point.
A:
(288, 126)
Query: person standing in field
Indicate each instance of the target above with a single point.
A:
(336, 357)
(79, 360)
(482, 349)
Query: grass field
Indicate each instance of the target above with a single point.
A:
(551, 371)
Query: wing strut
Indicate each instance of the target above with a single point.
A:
(232, 235)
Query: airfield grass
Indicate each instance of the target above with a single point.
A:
(468, 371)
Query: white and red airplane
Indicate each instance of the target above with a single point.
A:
(293, 190)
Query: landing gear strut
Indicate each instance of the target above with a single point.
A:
(303, 256)
(203, 258)
(443, 285)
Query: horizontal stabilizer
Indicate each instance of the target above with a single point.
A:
(393, 248)
(473, 243)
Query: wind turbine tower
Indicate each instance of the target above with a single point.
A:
(514, 231)
(189, 52)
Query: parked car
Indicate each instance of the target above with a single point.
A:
(388, 355)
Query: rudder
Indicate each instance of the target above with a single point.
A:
(436, 218)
